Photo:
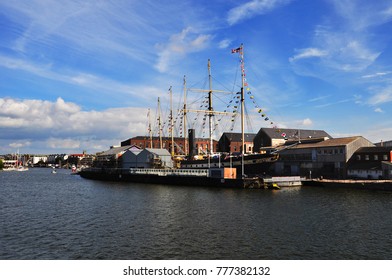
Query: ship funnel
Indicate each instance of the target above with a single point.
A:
(192, 143)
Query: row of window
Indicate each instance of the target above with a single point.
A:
(374, 157)
(334, 151)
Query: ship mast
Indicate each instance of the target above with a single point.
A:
(159, 124)
(149, 127)
(171, 122)
(242, 109)
(210, 109)
(184, 119)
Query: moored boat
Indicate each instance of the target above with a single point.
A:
(213, 177)
(385, 185)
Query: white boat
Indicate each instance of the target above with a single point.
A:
(22, 168)
(10, 168)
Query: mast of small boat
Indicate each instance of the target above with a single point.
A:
(159, 124)
(171, 122)
(242, 110)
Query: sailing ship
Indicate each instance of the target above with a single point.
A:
(242, 170)
(246, 164)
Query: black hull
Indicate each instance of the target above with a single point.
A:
(123, 176)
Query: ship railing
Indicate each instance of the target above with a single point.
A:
(170, 172)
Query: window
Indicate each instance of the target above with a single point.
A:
(358, 157)
(385, 157)
(366, 157)
(375, 157)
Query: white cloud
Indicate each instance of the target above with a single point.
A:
(17, 145)
(383, 96)
(307, 122)
(61, 143)
(253, 8)
(179, 45)
(224, 44)
(308, 53)
(376, 75)
(86, 80)
(64, 124)
(378, 110)
(346, 39)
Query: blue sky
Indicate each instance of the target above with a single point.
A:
(81, 75)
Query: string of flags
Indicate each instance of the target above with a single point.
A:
(232, 107)
(249, 93)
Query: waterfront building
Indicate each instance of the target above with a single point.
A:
(110, 158)
(129, 158)
(384, 144)
(367, 163)
(180, 147)
(327, 158)
(232, 142)
(274, 137)
(38, 159)
(154, 158)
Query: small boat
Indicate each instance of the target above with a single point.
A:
(22, 168)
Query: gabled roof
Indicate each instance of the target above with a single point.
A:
(159, 152)
(289, 133)
(115, 150)
(236, 137)
(335, 142)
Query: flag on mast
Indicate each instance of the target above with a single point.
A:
(236, 50)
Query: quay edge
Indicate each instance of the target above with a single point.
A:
(384, 185)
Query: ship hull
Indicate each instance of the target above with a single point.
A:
(119, 175)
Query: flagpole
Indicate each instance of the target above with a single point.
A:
(242, 110)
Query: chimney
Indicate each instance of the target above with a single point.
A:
(192, 148)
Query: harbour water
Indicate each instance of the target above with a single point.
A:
(60, 216)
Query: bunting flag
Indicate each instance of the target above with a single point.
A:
(237, 50)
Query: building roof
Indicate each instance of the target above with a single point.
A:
(236, 137)
(115, 150)
(334, 142)
(289, 133)
(159, 152)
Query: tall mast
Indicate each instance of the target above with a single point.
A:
(149, 127)
(242, 109)
(210, 109)
(159, 124)
(171, 121)
(184, 119)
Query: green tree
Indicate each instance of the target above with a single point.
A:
(1, 164)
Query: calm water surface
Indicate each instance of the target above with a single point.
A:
(59, 216)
